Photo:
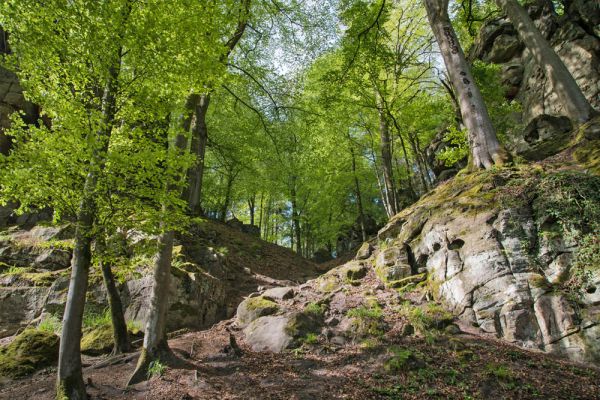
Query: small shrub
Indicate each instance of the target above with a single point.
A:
(94, 319)
(402, 359)
(499, 371)
(368, 320)
(315, 309)
(156, 368)
(310, 338)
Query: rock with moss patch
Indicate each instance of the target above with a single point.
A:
(30, 351)
(353, 271)
(97, 340)
(19, 306)
(392, 264)
(254, 308)
(364, 252)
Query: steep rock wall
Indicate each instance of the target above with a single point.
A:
(575, 38)
(502, 266)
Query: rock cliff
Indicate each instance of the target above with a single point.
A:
(511, 253)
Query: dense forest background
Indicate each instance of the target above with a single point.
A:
(307, 124)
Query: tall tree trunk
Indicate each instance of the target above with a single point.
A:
(415, 151)
(155, 335)
(386, 162)
(260, 215)
(230, 178)
(485, 148)
(120, 335)
(296, 229)
(359, 204)
(198, 106)
(69, 377)
(378, 175)
(576, 106)
(252, 207)
(409, 173)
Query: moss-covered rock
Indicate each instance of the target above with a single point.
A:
(97, 340)
(30, 351)
(253, 308)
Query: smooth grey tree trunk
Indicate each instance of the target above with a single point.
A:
(576, 105)
(359, 203)
(386, 163)
(69, 377)
(485, 149)
(155, 335)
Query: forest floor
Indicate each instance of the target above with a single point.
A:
(462, 366)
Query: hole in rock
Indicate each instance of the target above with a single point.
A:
(591, 290)
(436, 246)
(456, 244)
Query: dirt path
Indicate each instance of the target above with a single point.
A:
(456, 367)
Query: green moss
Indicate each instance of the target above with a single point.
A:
(315, 309)
(260, 303)
(328, 284)
(97, 340)
(427, 318)
(413, 279)
(588, 156)
(30, 277)
(538, 281)
(30, 351)
(368, 319)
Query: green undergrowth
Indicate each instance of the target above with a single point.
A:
(97, 335)
(368, 320)
(428, 318)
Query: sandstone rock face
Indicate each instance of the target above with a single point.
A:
(500, 269)
(18, 306)
(196, 300)
(574, 36)
(269, 334)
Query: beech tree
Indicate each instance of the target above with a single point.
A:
(89, 65)
(484, 147)
(576, 105)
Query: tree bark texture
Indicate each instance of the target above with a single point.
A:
(155, 336)
(485, 149)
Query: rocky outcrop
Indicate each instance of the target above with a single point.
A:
(502, 269)
(11, 98)
(508, 253)
(574, 36)
(210, 276)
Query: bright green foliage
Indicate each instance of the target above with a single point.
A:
(458, 147)
(63, 53)
(399, 359)
(156, 369)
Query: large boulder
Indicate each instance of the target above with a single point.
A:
(502, 269)
(30, 351)
(19, 306)
(196, 300)
(254, 308)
